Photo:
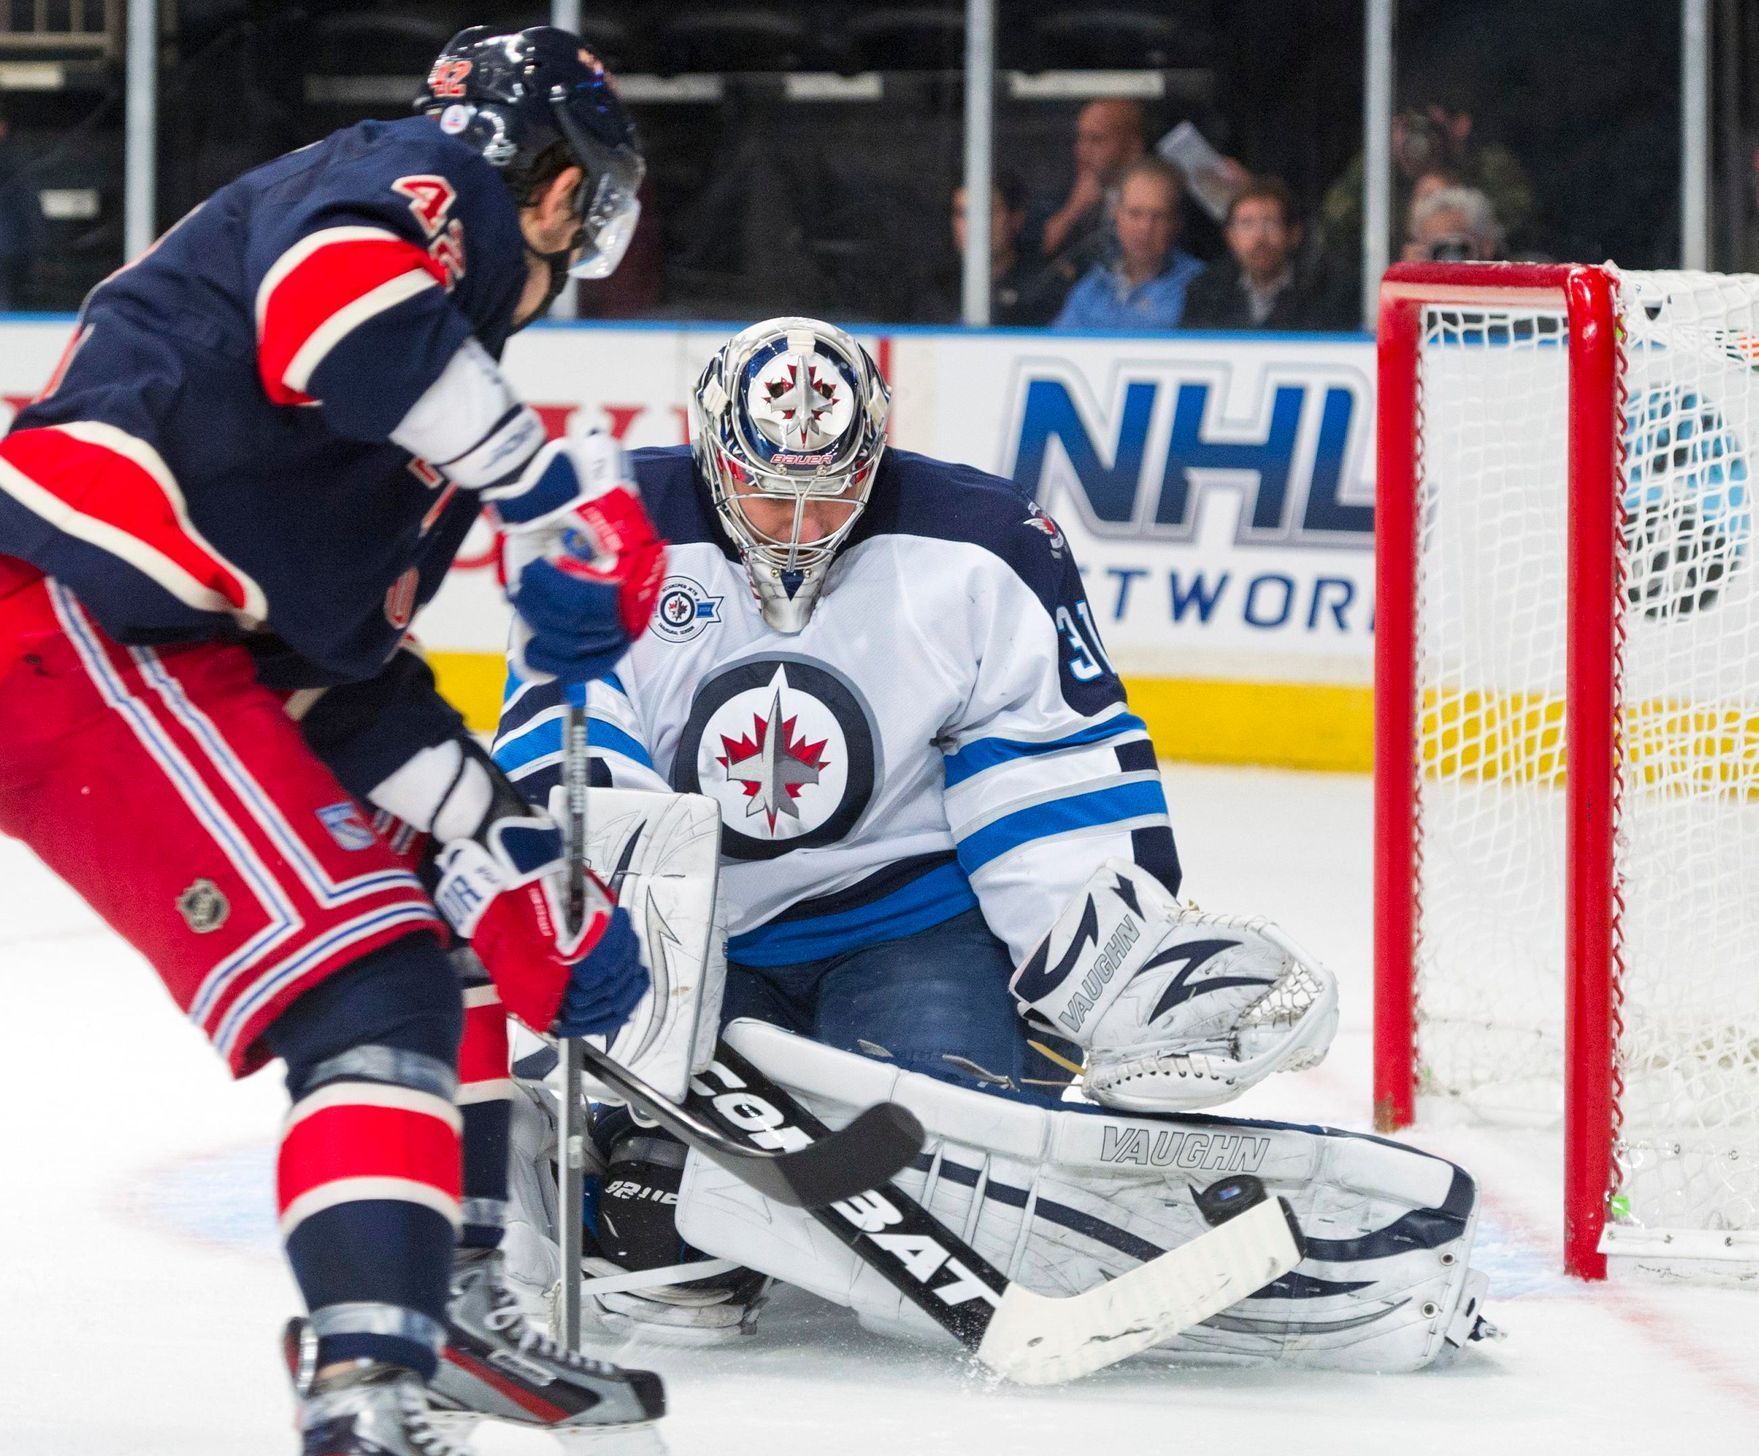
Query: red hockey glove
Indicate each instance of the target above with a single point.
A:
(503, 891)
(583, 563)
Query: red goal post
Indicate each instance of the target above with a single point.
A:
(1586, 296)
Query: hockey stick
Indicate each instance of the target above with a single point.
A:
(570, 1134)
(800, 1170)
(1031, 1338)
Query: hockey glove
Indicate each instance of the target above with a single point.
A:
(583, 563)
(503, 890)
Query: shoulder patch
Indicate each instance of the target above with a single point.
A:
(1037, 520)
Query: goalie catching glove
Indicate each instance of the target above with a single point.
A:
(1175, 1009)
(503, 886)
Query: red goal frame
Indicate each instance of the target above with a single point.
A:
(1588, 296)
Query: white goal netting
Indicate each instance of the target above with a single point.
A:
(1492, 588)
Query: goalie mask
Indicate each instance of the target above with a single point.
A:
(790, 424)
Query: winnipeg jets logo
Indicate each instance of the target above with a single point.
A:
(802, 405)
(1038, 521)
(786, 747)
(774, 766)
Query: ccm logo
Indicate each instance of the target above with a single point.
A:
(874, 1214)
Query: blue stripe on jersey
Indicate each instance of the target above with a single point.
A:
(1059, 816)
(927, 900)
(529, 743)
(546, 738)
(522, 701)
(535, 783)
(1154, 850)
(985, 753)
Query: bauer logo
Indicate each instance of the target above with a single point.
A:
(1143, 457)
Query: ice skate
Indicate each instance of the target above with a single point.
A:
(372, 1409)
(499, 1365)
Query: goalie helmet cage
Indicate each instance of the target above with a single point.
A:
(1567, 733)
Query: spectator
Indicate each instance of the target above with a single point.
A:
(1428, 183)
(1144, 287)
(1023, 293)
(1453, 225)
(21, 223)
(1261, 284)
(1110, 136)
(1430, 143)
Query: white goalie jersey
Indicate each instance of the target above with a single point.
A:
(944, 734)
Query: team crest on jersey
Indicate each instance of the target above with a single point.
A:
(1038, 521)
(786, 747)
(203, 907)
(347, 825)
(684, 609)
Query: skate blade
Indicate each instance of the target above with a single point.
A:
(487, 1436)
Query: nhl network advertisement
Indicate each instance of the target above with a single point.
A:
(1217, 490)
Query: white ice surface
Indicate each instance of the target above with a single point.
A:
(141, 1292)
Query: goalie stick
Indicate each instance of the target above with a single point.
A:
(1030, 1338)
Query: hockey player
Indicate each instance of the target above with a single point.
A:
(943, 835)
(255, 462)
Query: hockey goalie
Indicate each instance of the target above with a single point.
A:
(874, 740)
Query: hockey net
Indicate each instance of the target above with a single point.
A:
(1567, 755)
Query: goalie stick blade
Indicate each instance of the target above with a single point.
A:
(1037, 1339)
(872, 1149)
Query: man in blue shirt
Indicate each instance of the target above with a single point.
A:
(1143, 287)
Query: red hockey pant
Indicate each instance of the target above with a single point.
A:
(172, 791)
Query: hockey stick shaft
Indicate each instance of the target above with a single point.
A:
(1028, 1337)
(570, 1131)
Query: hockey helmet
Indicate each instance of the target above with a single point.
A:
(790, 424)
(514, 94)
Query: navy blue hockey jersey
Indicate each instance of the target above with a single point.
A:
(237, 441)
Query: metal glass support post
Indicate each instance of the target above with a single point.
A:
(1377, 152)
(1695, 134)
(980, 79)
(565, 15)
(141, 112)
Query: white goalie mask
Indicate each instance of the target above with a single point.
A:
(790, 424)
